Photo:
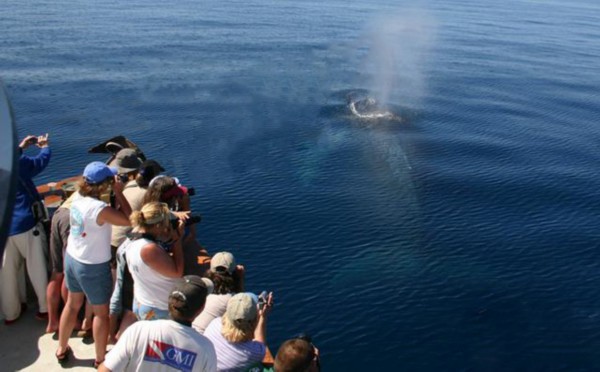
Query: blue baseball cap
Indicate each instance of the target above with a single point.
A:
(96, 172)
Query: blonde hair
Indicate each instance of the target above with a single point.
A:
(234, 334)
(150, 215)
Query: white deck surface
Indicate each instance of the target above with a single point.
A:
(25, 347)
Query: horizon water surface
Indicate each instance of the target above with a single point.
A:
(460, 235)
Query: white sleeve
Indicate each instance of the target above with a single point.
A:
(96, 209)
(119, 356)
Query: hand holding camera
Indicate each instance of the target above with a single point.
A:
(185, 216)
(118, 185)
(265, 303)
(40, 141)
(28, 141)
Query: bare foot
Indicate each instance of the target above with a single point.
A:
(51, 328)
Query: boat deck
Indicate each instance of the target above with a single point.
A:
(24, 346)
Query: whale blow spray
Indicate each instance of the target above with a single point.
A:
(397, 47)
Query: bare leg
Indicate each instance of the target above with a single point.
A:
(87, 319)
(67, 320)
(128, 319)
(53, 297)
(113, 321)
(101, 324)
(64, 292)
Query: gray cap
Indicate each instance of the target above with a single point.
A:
(126, 161)
(241, 309)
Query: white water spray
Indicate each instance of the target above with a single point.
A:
(396, 56)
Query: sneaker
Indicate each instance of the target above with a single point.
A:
(11, 322)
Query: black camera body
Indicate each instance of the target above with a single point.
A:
(194, 219)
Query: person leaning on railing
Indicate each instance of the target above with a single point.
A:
(27, 239)
(228, 279)
(297, 355)
(240, 336)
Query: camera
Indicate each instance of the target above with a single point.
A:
(262, 299)
(196, 218)
(305, 337)
(33, 140)
(191, 191)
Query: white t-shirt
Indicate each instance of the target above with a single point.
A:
(150, 288)
(161, 346)
(88, 242)
(233, 356)
(216, 305)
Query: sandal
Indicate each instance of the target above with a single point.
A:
(64, 357)
(97, 363)
(84, 333)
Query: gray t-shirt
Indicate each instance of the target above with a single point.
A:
(216, 305)
(134, 195)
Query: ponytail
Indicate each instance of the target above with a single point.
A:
(137, 219)
(151, 214)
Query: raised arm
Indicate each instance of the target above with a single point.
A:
(34, 165)
(112, 216)
(260, 333)
(122, 202)
(160, 261)
(118, 217)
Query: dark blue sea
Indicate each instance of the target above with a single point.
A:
(461, 234)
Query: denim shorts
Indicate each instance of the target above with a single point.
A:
(143, 312)
(94, 280)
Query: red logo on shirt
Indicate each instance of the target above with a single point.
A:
(160, 352)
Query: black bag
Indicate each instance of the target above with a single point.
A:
(40, 212)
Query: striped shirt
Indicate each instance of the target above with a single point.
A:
(233, 356)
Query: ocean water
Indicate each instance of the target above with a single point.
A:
(460, 235)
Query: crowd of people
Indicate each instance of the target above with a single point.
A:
(123, 266)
